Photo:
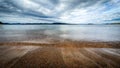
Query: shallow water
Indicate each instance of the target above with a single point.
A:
(73, 32)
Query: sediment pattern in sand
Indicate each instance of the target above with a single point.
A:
(30, 56)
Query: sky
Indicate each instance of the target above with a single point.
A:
(65, 11)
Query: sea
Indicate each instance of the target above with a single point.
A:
(106, 33)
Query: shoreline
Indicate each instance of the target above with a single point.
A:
(67, 43)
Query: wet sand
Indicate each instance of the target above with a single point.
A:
(65, 54)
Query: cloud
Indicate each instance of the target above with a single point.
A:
(69, 11)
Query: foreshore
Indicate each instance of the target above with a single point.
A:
(60, 54)
(67, 43)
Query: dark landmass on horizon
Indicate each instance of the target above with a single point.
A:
(56, 23)
(1, 22)
(112, 23)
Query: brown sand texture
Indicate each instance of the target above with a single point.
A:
(66, 54)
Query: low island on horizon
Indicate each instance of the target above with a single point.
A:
(56, 23)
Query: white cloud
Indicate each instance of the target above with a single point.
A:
(70, 11)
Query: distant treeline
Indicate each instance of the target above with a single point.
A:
(34, 23)
(56, 23)
(112, 23)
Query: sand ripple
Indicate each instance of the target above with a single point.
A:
(58, 57)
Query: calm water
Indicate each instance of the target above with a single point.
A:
(73, 32)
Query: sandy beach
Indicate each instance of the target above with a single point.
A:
(66, 54)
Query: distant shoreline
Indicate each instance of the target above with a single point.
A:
(51, 24)
(56, 23)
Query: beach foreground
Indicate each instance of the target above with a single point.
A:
(67, 54)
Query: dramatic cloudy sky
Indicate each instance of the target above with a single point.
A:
(69, 11)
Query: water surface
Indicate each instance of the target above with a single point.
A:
(73, 32)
